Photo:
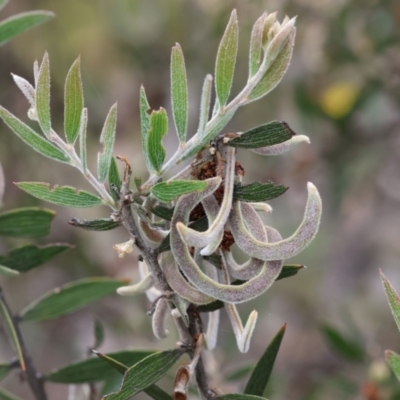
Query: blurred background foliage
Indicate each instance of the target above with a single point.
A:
(342, 90)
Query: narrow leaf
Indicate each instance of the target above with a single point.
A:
(262, 371)
(70, 297)
(258, 192)
(168, 191)
(95, 369)
(101, 224)
(205, 103)
(61, 195)
(99, 334)
(82, 139)
(393, 299)
(145, 127)
(27, 222)
(145, 373)
(179, 92)
(256, 45)
(163, 212)
(43, 96)
(226, 59)
(19, 23)
(210, 307)
(158, 128)
(73, 102)
(264, 135)
(6, 395)
(121, 368)
(107, 138)
(393, 359)
(238, 396)
(7, 271)
(289, 270)
(27, 257)
(31, 138)
(114, 179)
(26, 88)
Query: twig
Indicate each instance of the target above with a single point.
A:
(34, 379)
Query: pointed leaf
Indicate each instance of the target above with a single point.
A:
(43, 96)
(264, 135)
(258, 192)
(107, 138)
(158, 128)
(61, 195)
(19, 23)
(101, 224)
(113, 178)
(168, 191)
(145, 373)
(31, 138)
(27, 222)
(73, 102)
(289, 270)
(27, 257)
(145, 127)
(179, 92)
(26, 88)
(6, 395)
(99, 334)
(82, 139)
(7, 271)
(262, 371)
(226, 60)
(256, 45)
(70, 297)
(95, 369)
(121, 368)
(393, 359)
(393, 299)
(205, 105)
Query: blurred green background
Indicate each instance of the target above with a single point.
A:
(342, 90)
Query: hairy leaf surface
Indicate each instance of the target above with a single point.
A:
(168, 191)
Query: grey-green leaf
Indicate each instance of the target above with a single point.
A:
(257, 191)
(70, 297)
(82, 139)
(98, 330)
(31, 138)
(393, 299)
(107, 138)
(73, 102)
(29, 256)
(27, 222)
(158, 127)
(42, 97)
(6, 395)
(179, 92)
(101, 224)
(168, 191)
(95, 369)
(145, 127)
(289, 270)
(61, 195)
(205, 103)
(113, 178)
(393, 359)
(256, 45)
(262, 371)
(7, 272)
(163, 212)
(226, 60)
(264, 135)
(145, 373)
(20, 23)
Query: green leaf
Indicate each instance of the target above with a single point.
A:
(20, 23)
(27, 222)
(43, 96)
(238, 396)
(168, 191)
(205, 103)
(348, 348)
(6, 395)
(158, 129)
(73, 102)
(99, 334)
(179, 92)
(393, 359)
(4, 370)
(258, 191)
(163, 212)
(61, 195)
(101, 224)
(256, 45)
(393, 299)
(7, 271)
(27, 257)
(226, 60)
(70, 297)
(145, 127)
(31, 138)
(145, 373)
(95, 369)
(82, 139)
(264, 135)
(289, 270)
(113, 178)
(107, 138)
(262, 371)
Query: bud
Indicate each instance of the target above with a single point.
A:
(124, 248)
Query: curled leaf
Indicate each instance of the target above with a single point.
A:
(281, 148)
(158, 320)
